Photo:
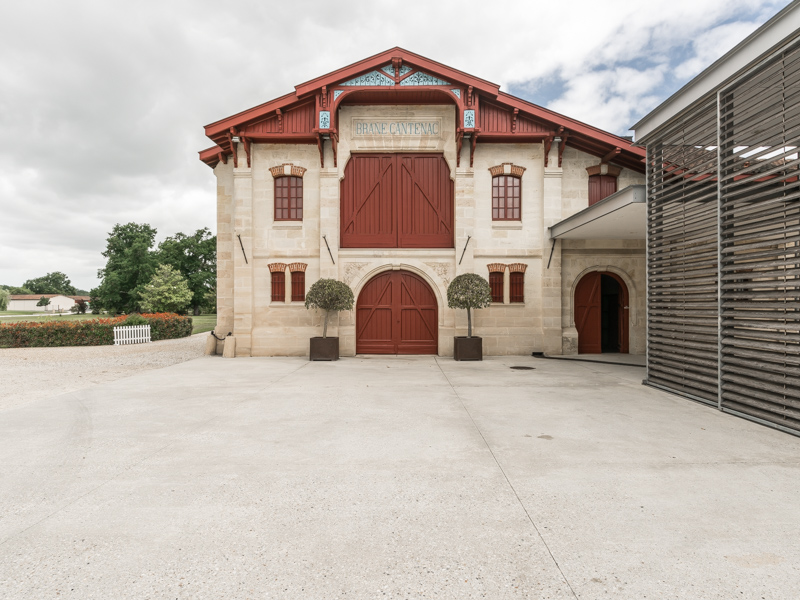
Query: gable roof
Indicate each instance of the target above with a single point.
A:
(399, 76)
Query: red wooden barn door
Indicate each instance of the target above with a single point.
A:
(397, 201)
(425, 201)
(397, 313)
(368, 209)
(588, 313)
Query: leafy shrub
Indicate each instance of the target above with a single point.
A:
(135, 319)
(168, 326)
(329, 295)
(469, 290)
(91, 332)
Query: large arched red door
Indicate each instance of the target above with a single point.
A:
(397, 313)
(601, 313)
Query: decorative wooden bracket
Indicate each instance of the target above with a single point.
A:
(473, 142)
(548, 143)
(611, 155)
(323, 100)
(246, 143)
(223, 158)
(234, 147)
(334, 143)
(396, 64)
(469, 96)
(459, 139)
(321, 148)
(514, 121)
(562, 145)
(280, 120)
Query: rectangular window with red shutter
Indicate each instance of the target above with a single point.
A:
(496, 283)
(298, 286)
(278, 286)
(600, 187)
(517, 288)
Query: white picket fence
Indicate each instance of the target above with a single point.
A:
(132, 334)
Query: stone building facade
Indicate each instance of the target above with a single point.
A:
(299, 177)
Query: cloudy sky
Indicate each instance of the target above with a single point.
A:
(102, 104)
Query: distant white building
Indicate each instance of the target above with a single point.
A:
(28, 302)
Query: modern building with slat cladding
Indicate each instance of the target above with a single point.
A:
(723, 231)
(396, 174)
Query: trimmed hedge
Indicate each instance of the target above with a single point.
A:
(94, 332)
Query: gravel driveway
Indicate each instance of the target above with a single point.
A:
(32, 373)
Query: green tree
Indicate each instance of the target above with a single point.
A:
(52, 283)
(469, 290)
(16, 290)
(195, 257)
(4, 294)
(331, 296)
(43, 302)
(130, 265)
(167, 291)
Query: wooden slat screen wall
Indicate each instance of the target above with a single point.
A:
(760, 242)
(682, 336)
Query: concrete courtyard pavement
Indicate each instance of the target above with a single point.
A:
(393, 478)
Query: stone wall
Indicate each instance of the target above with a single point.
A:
(246, 210)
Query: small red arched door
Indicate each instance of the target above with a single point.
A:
(601, 313)
(397, 313)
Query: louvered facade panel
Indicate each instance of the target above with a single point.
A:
(760, 243)
(682, 334)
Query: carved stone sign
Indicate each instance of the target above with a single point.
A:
(430, 127)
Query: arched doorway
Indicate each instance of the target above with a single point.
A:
(601, 313)
(397, 313)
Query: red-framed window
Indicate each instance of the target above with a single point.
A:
(506, 198)
(289, 198)
(517, 287)
(278, 286)
(601, 186)
(496, 283)
(298, 286)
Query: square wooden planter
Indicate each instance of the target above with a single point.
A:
(324, 348)
(466, 348)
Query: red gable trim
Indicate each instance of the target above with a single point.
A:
(378, 60)
(258, 124)
(572, 125)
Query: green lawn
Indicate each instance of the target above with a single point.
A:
(14, 312)
(63, 317)
(203, 323)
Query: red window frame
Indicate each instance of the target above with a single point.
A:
(496, 283)
(517, 287)
(506, 198)
(278, 286)
(298, 286)
(288, 198)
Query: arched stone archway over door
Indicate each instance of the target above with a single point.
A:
(602, 313)
(397, 313)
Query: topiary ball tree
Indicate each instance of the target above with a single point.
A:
(469, 290)
(331, 296)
